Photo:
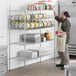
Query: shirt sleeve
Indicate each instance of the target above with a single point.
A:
(58, 19)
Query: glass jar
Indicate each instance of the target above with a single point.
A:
(49, 23)
(28, 16)
(44, 15)
(32, 24)
(28, 26)
(40, 16)
(37, 25)
(41, 24)
(45, 24)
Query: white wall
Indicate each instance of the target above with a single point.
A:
(3, 21)
(4, 5)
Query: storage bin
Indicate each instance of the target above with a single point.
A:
(2, 53)
(3, 61)
(2, 70)
(30, 38)
(27, 54)
(31, 54)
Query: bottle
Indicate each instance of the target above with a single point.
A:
(34, 8)
(45, 7)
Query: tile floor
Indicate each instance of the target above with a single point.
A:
(45, 68)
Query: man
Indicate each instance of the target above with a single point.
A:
(63, 37)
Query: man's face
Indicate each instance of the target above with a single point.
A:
(62, 16)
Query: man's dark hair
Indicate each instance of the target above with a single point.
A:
(66, 14)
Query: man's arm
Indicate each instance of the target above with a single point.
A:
(56, 16)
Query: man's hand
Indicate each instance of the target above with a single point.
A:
(61, 34)
(52, 7)
(56, 32)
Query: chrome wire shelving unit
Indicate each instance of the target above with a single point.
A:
(17, 27)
